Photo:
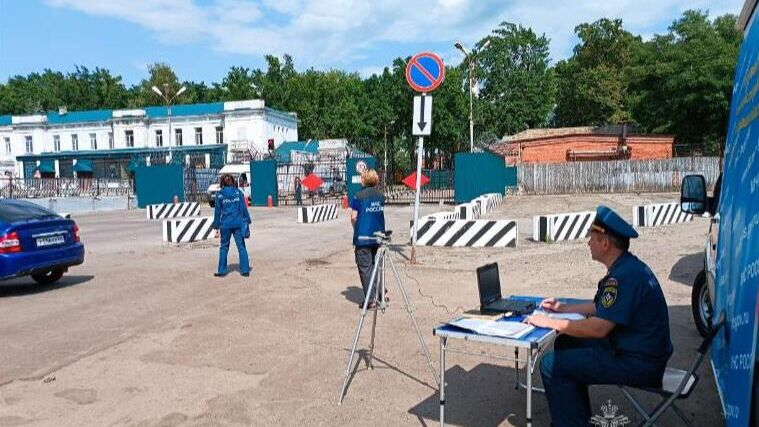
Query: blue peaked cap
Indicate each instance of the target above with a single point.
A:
(609, 222)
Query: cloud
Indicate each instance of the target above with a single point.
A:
(335, 33)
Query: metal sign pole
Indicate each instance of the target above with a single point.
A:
(419, 151)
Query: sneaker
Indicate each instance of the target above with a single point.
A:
(245, 274)
(219, 275)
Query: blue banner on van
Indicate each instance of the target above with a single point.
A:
(735, 348)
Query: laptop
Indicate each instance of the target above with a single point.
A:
(491, 301)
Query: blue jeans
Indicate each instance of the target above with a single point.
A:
(226, 234)
(577, 363)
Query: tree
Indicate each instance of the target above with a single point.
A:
(591, 87)
(682, 81)
(161, 76)
(517, 84)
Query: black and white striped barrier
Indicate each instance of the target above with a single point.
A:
(187, 230)
(491, 201)
(567, 226)
(171, 210)
(317, 213)
(459, 233)
(470, 211)
(658, 214)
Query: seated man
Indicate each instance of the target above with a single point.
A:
(625, 339)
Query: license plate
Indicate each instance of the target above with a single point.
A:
(50, 240)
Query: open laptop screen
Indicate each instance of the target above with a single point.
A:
(488, 283)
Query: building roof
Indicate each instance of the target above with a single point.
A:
(151, 112)
(53, 117)
(186, 110)
(549, 133)
(282, 153)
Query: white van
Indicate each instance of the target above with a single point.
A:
(237, 171)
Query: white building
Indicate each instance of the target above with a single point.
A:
(108, 140)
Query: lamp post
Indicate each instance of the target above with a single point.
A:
(392, 122)
(471, 58)
(168, 108)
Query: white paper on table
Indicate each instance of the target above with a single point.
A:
(504, 329)
(563, 316)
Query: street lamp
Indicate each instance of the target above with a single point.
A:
(168, 106)
(471, 57)
(392, 122)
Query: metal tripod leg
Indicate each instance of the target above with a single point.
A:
(367, 297)
(371, 343)
(410, 311)
(380, 259)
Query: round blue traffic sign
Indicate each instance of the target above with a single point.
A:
(425, 72)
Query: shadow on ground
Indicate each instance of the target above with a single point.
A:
(27, 285)
(685, 270)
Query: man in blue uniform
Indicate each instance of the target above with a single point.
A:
(367, 217)
(625, 338)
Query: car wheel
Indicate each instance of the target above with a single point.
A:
(701, 304)
(48, 277)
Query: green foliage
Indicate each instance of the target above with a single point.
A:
(682, 81)
(591, 85)
(518, 88)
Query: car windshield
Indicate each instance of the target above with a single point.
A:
(19, 210)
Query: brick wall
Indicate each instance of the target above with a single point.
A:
(554, 150)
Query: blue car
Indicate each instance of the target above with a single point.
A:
(36, 242)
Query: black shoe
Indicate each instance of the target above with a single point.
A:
(245, 274)
(219, 275)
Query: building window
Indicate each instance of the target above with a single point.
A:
(56, 143)
(93, 141)
(159, 138)
(29, 144)
(110, 140)
(75, 142)
(7, 145)
(219, 135)
(178, 137)
(129, 138)
(198, 136)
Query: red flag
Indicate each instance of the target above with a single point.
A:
(410, 181)
(312, 182)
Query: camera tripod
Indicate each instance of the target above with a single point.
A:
(379, 302)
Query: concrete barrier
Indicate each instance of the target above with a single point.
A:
(469, 233)
(564, 226)
(170, 210)
(470, 211)
(316, 213)
(655, 215)
(187, 230)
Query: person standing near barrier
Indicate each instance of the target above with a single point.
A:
(298, 192)
(231, 219)
(625, 339)
(367, 218)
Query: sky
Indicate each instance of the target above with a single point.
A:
(202, 39)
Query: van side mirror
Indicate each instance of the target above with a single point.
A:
(693, 194)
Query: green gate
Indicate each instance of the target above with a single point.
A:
(475, 174)
(158, 184)
(353, 176)
(263, 182)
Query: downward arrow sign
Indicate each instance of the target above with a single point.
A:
(422, 123)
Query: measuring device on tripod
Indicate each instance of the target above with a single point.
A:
(375, 300)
